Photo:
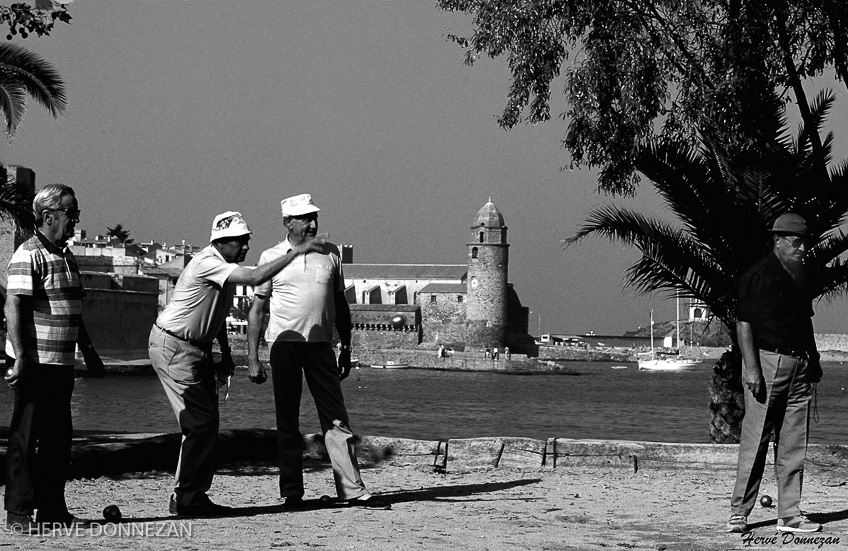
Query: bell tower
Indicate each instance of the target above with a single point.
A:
(488, 267)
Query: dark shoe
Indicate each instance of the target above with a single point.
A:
(202, 507)
(293, 502)
(21, 525)
(64, 521)
(370, 502)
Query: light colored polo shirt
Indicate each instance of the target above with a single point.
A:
(201, 300)
(302, 295)
(49, 277)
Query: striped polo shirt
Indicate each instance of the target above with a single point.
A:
(49, 277)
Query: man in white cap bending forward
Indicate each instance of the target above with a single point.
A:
(180, 350)
(306, 301)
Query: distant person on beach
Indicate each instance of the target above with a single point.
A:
(780, 363)
(306, 300)
(43, 326)
(181, 352)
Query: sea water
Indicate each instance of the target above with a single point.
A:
(602, 401)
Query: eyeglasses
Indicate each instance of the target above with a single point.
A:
(70, 212)
(306, 218)
(795, 242)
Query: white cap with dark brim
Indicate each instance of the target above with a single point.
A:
(229, 224)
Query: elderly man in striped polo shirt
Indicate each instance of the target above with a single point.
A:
(43, 327)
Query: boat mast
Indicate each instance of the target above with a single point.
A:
(652, 334)
(677, 322)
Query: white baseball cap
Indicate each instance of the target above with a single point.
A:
(298, 205)
(229, 224)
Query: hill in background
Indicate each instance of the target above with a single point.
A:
(697, 333)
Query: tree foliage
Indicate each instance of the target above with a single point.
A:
(22, 74)
(24, 19)
(638, 70)
(119, 233)
(725, 202)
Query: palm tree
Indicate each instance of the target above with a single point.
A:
(22, 74)
(726, 202)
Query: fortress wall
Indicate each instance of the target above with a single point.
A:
(443, 320)
(373, 339)
(118, 311)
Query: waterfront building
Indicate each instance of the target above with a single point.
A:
(469, 305)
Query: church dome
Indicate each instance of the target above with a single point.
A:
(489, 216)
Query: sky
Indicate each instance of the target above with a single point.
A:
(183, 109)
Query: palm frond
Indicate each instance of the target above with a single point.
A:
(24, 73)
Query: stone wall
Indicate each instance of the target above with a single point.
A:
(118, 311)
(443, 320)
(110, 264)
(375, 339)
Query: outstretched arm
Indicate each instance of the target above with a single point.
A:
(261, 274)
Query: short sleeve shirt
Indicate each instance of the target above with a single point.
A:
(302, 295)
(49, 277)
(778, 307)
(200, 303)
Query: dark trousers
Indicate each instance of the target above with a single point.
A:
(290, 362)
(41, 420)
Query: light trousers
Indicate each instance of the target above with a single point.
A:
(785, 411)
(188, 377)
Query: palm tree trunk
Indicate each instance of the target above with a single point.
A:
(727, 404)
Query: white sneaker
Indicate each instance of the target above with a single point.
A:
(798, 523)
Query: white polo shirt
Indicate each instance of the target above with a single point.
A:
(202, 299)
(302, 295)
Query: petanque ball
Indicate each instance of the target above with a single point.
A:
(398, 321)
(765, 501)
(325, 500)
(112, 514)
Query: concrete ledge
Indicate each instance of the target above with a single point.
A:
(98, 454)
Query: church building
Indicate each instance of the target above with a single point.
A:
(468, 306)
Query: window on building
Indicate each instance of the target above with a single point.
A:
(481, 237)
(474, 252)
(459, 298)
(432, 298)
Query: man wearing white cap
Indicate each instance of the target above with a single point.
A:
(180, 350)
(306, 301)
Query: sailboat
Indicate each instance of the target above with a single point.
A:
(663, 361)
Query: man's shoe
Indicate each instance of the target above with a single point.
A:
(21, 524)
(737, 523)
(369, 502)
(202, 507)
(293, 502)
(798, 523)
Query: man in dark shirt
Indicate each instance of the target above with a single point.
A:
(780, 362)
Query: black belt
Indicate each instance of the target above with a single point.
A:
(191, 342)
(801, 355)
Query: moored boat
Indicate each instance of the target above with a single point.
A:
(390, 365)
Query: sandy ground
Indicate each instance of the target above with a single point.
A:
(539, 509)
